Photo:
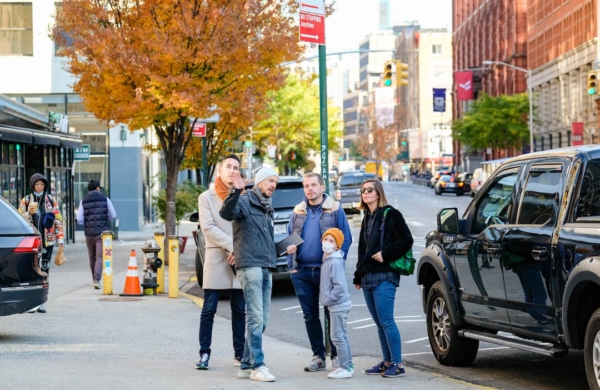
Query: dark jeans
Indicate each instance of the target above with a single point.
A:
(94, 247)
(238, 319)
(306, 283)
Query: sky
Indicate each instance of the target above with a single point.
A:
(353, 20)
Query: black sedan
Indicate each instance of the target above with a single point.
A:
(448, 183)
(21, 287)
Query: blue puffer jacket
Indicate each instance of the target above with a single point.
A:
(253, 236)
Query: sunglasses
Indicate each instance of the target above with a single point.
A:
(368, 190)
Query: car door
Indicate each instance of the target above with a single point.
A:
(477, 257)
(527, 251)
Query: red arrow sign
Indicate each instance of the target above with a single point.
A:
(199, 129)
(312, 28)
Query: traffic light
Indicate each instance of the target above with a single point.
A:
(592, 84)
(401, 74)
(387, 73)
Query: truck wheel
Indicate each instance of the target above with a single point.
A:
(448, 347)
(591, 351)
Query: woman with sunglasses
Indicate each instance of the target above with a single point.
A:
(374, 274)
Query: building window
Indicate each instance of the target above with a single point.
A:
(16, 29)
(436, 49)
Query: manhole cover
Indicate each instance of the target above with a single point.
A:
(119, 299)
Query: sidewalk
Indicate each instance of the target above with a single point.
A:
(88, 340)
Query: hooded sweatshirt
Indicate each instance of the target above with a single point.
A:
(333, 292)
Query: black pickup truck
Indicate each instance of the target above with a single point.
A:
(521, 267)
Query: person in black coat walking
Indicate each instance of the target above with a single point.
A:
(95, 213)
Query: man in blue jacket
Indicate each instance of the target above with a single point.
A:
(310, 219)
(255, 257)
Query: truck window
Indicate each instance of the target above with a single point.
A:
(588, 201)
(540, 197)
(495, 206)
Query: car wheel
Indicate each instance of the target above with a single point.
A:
(448, 347)
(591, 351)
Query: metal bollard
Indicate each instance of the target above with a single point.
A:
(107, 269)
(159, 237)
(173, 246)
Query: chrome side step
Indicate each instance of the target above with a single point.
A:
(546, 349)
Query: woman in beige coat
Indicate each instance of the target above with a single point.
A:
(218, 275)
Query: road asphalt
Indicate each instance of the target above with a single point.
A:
(91, 340)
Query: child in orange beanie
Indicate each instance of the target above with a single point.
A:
(335, 296)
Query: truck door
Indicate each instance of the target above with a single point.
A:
(527, 252)
(477, 258)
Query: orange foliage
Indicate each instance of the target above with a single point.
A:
(160, 63)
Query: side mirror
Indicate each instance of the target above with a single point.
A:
(447, 220)
(194, 217)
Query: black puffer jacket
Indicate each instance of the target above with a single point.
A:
(397, 240)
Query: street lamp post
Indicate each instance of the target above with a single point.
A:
(529, 92)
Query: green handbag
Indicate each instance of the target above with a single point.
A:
(404, 265)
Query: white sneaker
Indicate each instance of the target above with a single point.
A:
(340, 373)
(244, 374)
(237, 362)
(262, 374)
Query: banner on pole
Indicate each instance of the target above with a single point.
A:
(439, 100)
(464, 85)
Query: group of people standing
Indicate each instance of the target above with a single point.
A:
(240, 254)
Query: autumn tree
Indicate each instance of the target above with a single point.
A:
(292, 122)
(494, 122)
(164, 63)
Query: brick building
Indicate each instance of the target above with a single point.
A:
(554, 41)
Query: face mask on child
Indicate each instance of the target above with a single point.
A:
(328, 247)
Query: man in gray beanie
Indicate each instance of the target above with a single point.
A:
(255, 256)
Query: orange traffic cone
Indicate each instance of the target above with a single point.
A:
(132, 282)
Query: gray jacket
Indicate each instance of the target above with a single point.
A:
(253, 236)
(333, 292)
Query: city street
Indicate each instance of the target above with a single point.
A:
(88, 340)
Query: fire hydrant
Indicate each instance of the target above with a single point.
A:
(151, 264)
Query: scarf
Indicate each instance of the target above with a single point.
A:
(267, 203)
(221, 189)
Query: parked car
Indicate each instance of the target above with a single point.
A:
(476, 181)
(288, 194)
(21, 287)
(521, 267)
(450, 184)
(347, 188)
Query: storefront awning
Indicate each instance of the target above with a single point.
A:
(38, 137)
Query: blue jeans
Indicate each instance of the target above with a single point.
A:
(238, 319)
(257, 284)
(380, 302)
(306, 282)
(339, 336)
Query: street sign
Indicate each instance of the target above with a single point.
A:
(312, 28)
(312, 21)
(82, 154)
(199, 129)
